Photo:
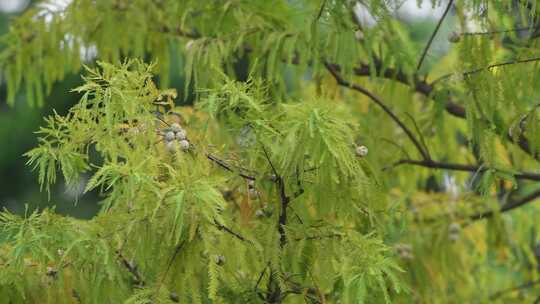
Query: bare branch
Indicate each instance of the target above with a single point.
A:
(228, 230)
(131, 268)
(515, 288)
(426, 89)
(261, 275)
(169, 265)
(462, 167)
(341, 81)
(489, 67)
(508, 206)
(420, 86)
(430, 41)
(228, 167)
(519, 29)
(284, 201)
(179, 32)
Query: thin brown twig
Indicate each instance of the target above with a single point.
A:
(341, 81)
(131, 268)
(320, 237)
(462, 167)
(274, 292)
(489, 67)
(179, 32)
(515, 288)
(222, 227)
(228, 167)
(430, 41)
(496, 31)
(261, 275)
(508, 206)
(169, 265)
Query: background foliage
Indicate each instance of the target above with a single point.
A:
(267, 200)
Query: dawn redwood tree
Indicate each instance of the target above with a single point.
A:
(325, 158)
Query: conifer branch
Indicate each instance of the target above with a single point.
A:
(420, 86)
(300, 190)
(511, 205)
(519, 29)
(261, 275)
(180, 32)
(284, 200)
(462, 167)
(312, 293)
(134, 271)
(131, 268)
(222, 227)
(169, 265)
(228, 167)
(341, 81)
(489, 67)
(320, 237)
(274, 292)
(321, 10)
(430, 41)
(75, 294)
(426, 89)
(512, 289)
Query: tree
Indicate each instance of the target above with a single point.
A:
(323, 160)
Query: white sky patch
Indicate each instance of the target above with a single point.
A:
(364, 17)
(450, 185)
(13, 6)
(410, 10)
(56, 8)
(88, 53)
(51, 8)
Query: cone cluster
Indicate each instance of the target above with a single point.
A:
(253, 193)
(404, 251)
(361, 151)
(454, 231)
(175, 138)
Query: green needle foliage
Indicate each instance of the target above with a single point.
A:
(166, 231)
(324, 159)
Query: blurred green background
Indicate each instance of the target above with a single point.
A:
(18, 184)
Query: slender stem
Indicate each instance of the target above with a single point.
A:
(300, 190)
(321, 10)
(512, 62)
(179, 32)
(515, 288)
(169, 265)
(420, 86)
(131, 268)
(496, 32)
(320, 237)
(508, 206)
(261, 275)
(230, 231)
(477, 70)
(228, 167)
(430, 41)
(341, 81)
(284, 201)
(274, 292)
(462, 167)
